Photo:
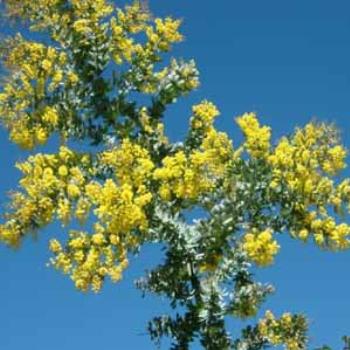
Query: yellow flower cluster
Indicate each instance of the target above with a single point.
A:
(86, 21)
(31, 62)
(302, 159)
(260, 247)
(89, 259)
(82, 26)
(288, 330)
(49, 185)
(123, 46)
(60, 186)
(160, 34)
(304, 163)
(130, 21)
(180, 178)
(132, 164)
(134, 20)
(48, 13)
(120, 208)
(92, 9)
(204, 115)
(257, 137)
(326, 232)
(187, 176)
(166, 32)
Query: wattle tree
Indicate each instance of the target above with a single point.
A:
(100, 82)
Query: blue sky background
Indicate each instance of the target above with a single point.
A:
(286, 60)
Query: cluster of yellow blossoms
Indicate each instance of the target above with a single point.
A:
(204, 115)
(49, 184)
(307, 154)
(289, 330)
(90, 258)
(36, 71)
(135, 20)
(86, 15)
(305, 163)
(257, 137)
(94, 9)
(164, 34)
(61, 186)
(188, 175)
(260, 247)
(160, 35)
(120, 209)
(121, 204)
(131, 21)
(50, 13)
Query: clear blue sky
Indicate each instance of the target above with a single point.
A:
(286, 60)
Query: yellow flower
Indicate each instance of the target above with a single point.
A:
(57, 77)
(41, 135)
(47, 65)
(115, 273)
(288, 330)
(82, 209)
(22, 136)
(82, 26)
(64, 211)
(50, 116)
(260, 247)
(65, 154)
(204, 115)
(257, 138)
(115, 240)
(189, 176)
(63, 171)
(303, 234)
(55, 246)
(73, 190)
(98, 239)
